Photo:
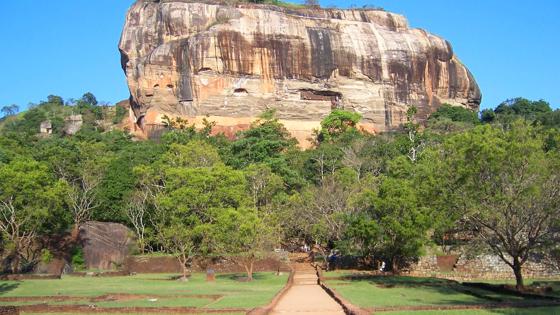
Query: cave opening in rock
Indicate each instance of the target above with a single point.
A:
(150, 93)
(240, 92)
(322, 95)
(204, 70)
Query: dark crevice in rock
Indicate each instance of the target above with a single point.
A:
(322, 62)
(184, 69)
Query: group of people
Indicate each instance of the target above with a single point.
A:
(334, 256)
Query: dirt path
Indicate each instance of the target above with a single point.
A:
(306, 296)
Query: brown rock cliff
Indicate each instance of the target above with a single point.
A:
(231, 63)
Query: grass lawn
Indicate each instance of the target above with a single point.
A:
(146, 290)
(529, 311)
(398, 291)
(553, 283)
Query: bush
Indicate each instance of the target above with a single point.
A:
(455, 113)
(46, 256)
(78, 261)
(120, 113)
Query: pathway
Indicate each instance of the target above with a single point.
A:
(306, 296)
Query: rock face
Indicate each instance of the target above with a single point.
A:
(73, 124)
(105, 245)
(231, 63)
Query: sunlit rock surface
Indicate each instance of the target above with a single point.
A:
(231, 63)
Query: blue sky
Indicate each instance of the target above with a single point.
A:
(68, 47)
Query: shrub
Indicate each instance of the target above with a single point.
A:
(78, 261)
(46, 256)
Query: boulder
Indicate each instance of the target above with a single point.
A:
(105, 245)
(73, 124)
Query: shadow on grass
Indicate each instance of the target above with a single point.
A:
(524, 311)
(241, 277)
(554, 285)
(443, 287)
(400, 281)
(7, 287)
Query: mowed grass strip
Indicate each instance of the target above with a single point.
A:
(225, 292)
(509, 311)
(397, 291)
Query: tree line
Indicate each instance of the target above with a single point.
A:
(484, 183)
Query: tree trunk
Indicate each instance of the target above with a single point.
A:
(15, 263)
(141, 244)
(517, 270)
(249, 270)
(183, 261)
(395, 265)
(75, 232)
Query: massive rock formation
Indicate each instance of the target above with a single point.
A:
(231, 63)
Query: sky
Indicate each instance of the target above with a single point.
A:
(69, 47)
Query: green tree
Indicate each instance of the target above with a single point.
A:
(263, 185)
(62, 155)
(55, 100)
(179, 238)
(9, 110)
(339, 124)
(119, 180)
(120, 114)
(487, 116)
(455, 114)
(322, 211)
(30, 206)
(29, 124)
(510, 110)
(322, 162)
(195, 153)
(244, 237)
(363, 237)
(190, 202)
(83, 193)
(550, 120)
(89, 98)
(265, 141)
(505, 187)
(400, 223)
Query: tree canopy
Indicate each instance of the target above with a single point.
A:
(386, 197)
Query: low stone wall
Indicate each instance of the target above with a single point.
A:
(168, 264)
(27, 276)
(54, 267)
(480, 267)
(9, 310)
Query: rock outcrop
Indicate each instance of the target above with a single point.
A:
(105, 245)
(231, 63)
